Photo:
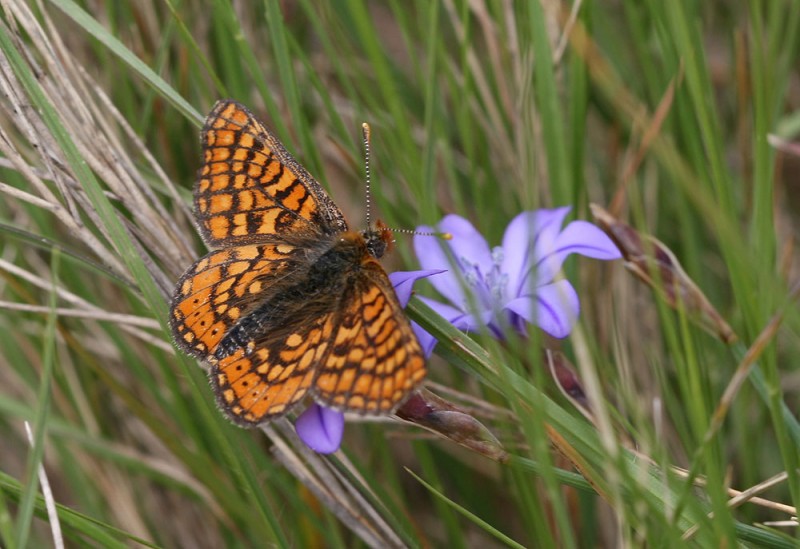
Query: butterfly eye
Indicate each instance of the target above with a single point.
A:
(376, 245)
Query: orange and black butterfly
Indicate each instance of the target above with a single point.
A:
(292, 303)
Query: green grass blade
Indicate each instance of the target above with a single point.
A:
(470, 516)
(39, 428)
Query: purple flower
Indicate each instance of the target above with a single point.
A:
(510, 284)
(320, 428)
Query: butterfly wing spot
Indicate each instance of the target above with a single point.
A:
(273, 172)
(206, 279)
(251, 253)
(240, 180)
(219, 227)
(220, 203)
(223, 298)
(255, 287)
(220, 180)
(246, 199)
(238, 267)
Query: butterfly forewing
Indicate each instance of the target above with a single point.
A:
(250, 189)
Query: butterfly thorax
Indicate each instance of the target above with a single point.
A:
(332, 270)
(346, 253)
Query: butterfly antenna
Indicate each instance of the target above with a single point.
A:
(437, 234)
(366, 133)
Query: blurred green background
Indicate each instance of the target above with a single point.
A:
(680, 116)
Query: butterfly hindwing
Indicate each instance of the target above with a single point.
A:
(220, 288)
(276, 374)
(374, 360)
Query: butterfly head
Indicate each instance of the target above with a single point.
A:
(379, 240)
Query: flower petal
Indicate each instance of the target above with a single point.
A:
(582, 237)
(554, 308)
(579, 237)
(469, 250)
(426, 340)
(320, 428)
(403, 282)
(522, 246)
(466, 242)
(458, 318)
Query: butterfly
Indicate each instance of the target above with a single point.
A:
(290, 303)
